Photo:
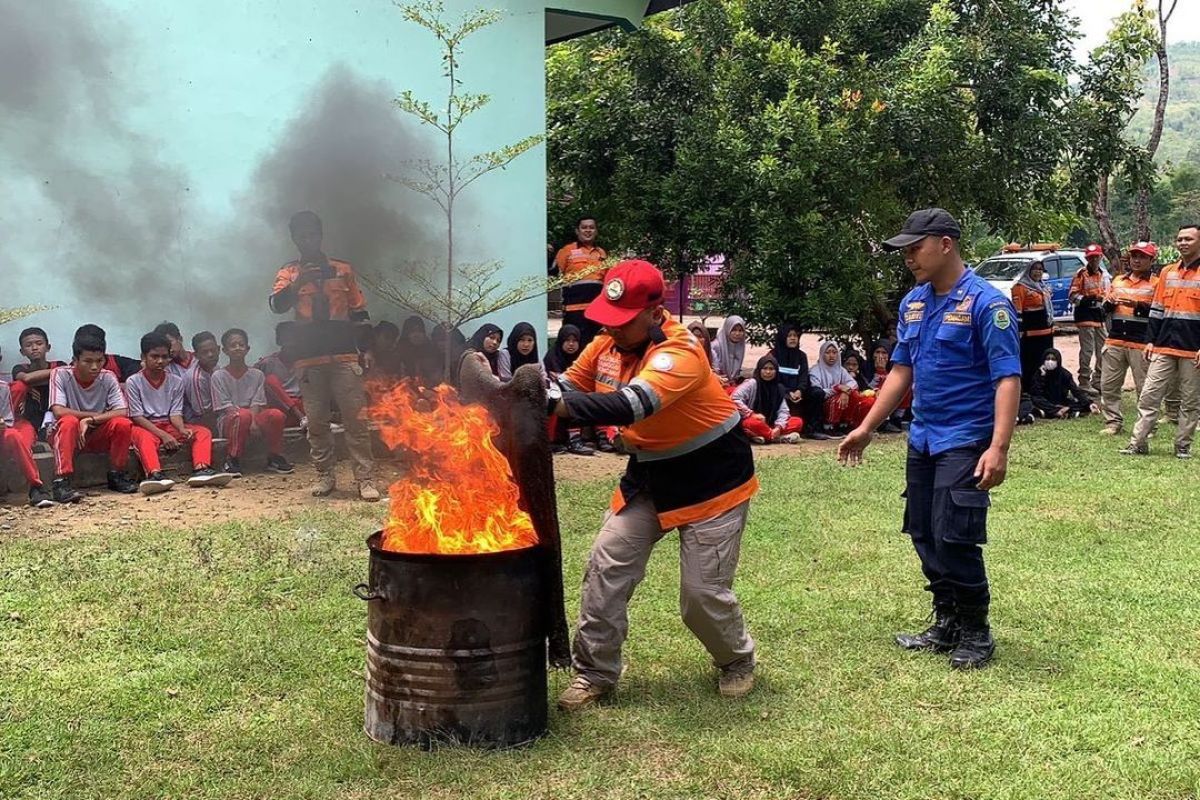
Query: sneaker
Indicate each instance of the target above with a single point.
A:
(1135, 450)
(233, 466)
(368, 492)
(575, 446)
(279, 465)
(1183, 452)
(737, 679)
(791, 438)
(325, 485)
(581, 694)
(61, 491)
(1111, 429)
(155, 483)
(605, 446)
(816, 436)
(558, 449)
(207, 476)
(118, 481)
(39, 497)
(758, 440)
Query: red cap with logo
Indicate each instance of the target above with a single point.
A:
(1093, 250)
(1148, 248)
(629, 289)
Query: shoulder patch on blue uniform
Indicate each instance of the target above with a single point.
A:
(1001, 319)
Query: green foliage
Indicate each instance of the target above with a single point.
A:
(794, 137)
(1181, 132)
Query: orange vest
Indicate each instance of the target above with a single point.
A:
(1032, 319)
(1175, 311)
(327, 312)
(1129, 327)
(691, 453)
(1090, 291)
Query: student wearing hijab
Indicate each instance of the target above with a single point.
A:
(419, 360)
(457, 344)
(486, 341)
(729, 351)
(1055, 393)
(845, 407)
(854, 366)
(521, 350)
(804, 400)
(762, 402)
(565, 438)
(881, 360)
(1033, 300)
(697, 329)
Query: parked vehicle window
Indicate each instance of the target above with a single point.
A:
(1002, 269)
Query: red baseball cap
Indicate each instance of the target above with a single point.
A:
(1093, 250)
(629, 289)
(1148, 248)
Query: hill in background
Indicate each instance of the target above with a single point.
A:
(1181, 127)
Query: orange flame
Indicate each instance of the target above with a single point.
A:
(458, 496)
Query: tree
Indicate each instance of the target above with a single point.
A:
(453, 292)
(793, 137)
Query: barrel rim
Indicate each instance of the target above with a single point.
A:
(377, 551)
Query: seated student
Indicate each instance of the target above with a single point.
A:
(729, 351)
(881, 357)
(155, 398)
(121, 366)
(1055, 394)
(419, 358)
(521, 350)
(90, 416)
(853, 365)
(239, 400)
(564, 437)
(18, 436)
(762, 402)
(697, 329)
(281, 380)
(804, 399)
(455, 342)
(31, 379)
(487, 341)
(387, 362)
(197, 398)
(845, 406)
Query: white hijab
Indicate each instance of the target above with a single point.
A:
(727, 356)
(826, 377)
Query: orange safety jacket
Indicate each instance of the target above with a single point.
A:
(1175, 311)
(1032, 317)
(688, 448)
(328, 312)
(1089, 289)
(1129, 297)
(579, 265)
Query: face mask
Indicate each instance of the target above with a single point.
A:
(1050, 364)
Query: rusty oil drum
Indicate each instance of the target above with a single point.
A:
(456, 648)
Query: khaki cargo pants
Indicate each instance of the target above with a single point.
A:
(1164, 372)
(708, 556)
(1117, 360)
(321, 386)
(1091, 349)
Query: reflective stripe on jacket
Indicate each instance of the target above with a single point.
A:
(1175, 311)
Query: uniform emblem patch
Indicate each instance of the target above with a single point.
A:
(1001, 319)
(913, 316)
(615, 289)
(916, 305)
(965, 305)
(956, 318)
(662, 362)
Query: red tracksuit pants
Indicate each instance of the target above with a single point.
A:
(235, 425)
(113, 436)
(18, 441)
(147, 445)
(757, 427)
(853, 414)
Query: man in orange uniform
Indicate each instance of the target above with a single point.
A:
(329, 335)
(579, 263)
(690, 468)
(1173, 347)
(1087, 292)
(1128, 302)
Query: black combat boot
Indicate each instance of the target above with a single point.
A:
(975, 643)
(940, 637)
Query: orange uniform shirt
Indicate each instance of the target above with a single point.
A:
(579, 265)
(1128, 327)
(1175, 311)
(328, 312)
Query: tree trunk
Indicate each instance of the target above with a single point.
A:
(1142, 205)
(1108, 237)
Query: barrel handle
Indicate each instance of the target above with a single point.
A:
(363, 592)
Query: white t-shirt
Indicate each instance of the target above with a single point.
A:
(103, 394)
(232, 392)
(155, 403)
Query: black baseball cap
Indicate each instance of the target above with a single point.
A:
(926, 222)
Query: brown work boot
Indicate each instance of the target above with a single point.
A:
(581, 694)
(737, 679)
(368, 492)
(1111, 429)
(325, 484)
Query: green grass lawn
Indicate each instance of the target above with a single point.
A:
(228, 662)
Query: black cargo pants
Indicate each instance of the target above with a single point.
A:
(946, 516)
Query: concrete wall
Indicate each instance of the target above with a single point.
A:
(152, 153)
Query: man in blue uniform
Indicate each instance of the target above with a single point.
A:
(958, 351)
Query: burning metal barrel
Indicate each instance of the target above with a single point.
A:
(456, 647)
(465, 598)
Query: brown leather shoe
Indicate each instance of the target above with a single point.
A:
(737, 679)
(581, 694)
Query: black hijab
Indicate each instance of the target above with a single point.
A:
(790, 358)
(515, 359)
(476, 343)
(558, 361)
(768, 395)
